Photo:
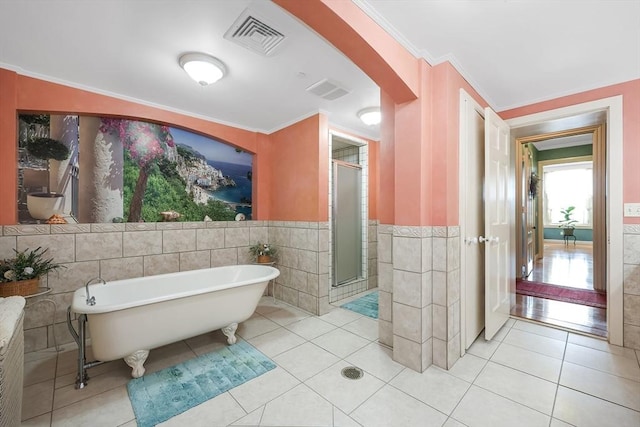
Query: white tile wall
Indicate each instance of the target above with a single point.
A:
(631, 316)
(121, 251)
(385, 284)
(134, 250)
(303, 263)
(413, 317)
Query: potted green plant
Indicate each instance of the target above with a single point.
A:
(43, 205)
(567, 224)
(263, 252)
(21, 274)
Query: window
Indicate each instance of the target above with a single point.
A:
(568, 184)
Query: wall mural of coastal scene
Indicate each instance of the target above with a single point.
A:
(229, 171)
(91, 169)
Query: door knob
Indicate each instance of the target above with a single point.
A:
(470, 240)
(488, 239)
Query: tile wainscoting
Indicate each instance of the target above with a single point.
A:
(124, 251)
(631, 304)
(414, 261)
(419, 284)
(303, 263)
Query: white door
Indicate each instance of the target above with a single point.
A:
(474, 226)
(497, 226)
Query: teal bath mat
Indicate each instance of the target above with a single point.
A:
(366, 305)
(164, 394)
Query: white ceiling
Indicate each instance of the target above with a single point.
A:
(564, 142)
(513, 52)
(517, 52)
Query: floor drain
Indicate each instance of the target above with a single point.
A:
(352, 373)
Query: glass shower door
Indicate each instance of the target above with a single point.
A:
(347, 223)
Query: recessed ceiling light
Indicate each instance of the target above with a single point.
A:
(370, 116)
(203, 68)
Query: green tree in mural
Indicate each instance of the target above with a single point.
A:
(146, 144)
(165, 191)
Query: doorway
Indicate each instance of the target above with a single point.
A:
(561, 228)
(348, 216)
(553, 121)
(556, 119)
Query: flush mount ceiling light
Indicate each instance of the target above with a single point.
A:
(370, 116)
(203, 68)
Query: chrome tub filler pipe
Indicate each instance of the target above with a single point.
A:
(79, 337)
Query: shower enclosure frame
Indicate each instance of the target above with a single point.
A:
(350, 249)
(361, 283)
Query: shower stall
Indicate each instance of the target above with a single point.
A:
(348, 217)
(347, 223)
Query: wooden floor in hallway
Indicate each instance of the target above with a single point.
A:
(565, 265)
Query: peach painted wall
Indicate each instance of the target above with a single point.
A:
(386, 162)
(298, 192)
(630, 92)
(8, 147)
(300, 171)
(413, 179)
(21, 94)
(419, 133)
(447, 82)
(36, 95)
(261, 188)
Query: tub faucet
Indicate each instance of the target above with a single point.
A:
(92, 300)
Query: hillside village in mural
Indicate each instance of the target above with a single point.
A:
(178, 159)
(144, 172)
(201, 178)
(204, 182)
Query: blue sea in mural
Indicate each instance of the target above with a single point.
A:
(241, 192)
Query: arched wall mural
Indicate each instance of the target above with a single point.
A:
(122, 170)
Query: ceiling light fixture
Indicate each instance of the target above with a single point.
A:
(370, 116)
(203, 68)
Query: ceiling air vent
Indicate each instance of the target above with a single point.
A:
(327, 89)
(254, 34)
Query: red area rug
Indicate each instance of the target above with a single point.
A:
(562, 293)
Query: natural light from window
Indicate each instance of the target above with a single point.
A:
(568, 184)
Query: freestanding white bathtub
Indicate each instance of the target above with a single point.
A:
(131, 317)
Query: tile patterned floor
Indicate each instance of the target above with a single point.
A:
(530, 375)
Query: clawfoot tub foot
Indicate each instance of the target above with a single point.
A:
(230, 333)
(135, 361)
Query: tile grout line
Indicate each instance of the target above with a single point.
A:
(517, 370)
(603, 372)
(463, 396)
(340, 360)
(520, 370)
(555, 397)
(369, 342)
(422, 401)
(598, 398)
(511, 400)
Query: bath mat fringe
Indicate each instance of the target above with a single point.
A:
(562, 293)
(164, 394)
(366, 305)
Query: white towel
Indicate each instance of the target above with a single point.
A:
(10, 312)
